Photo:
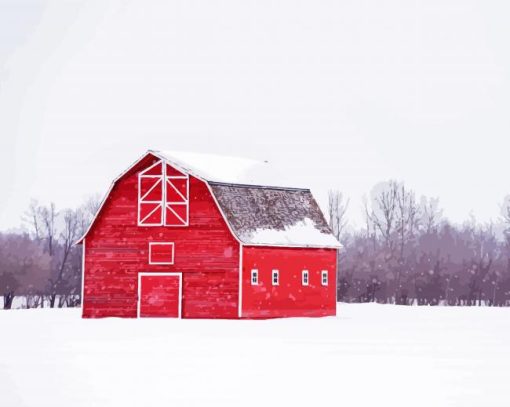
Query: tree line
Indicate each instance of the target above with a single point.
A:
(406, 253)
(409, 253)
(42, 265)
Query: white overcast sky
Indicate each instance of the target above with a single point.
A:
(343, 93)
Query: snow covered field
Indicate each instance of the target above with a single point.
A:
(370, 355)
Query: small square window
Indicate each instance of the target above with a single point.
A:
(161, 253)
(276, 277)
(254, 277)
(305, 277)
(324, 277)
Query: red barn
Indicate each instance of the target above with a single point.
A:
(198, 236)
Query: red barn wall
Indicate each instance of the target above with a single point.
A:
(290, 298)
(116, 250)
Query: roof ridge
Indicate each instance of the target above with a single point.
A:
(232, 184)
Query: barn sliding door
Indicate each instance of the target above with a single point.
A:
(159, 295)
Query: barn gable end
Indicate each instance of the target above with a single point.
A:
(117, 250)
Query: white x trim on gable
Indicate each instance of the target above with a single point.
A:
(163, 196)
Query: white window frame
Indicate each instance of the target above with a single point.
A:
(324, 273)
(254, 273)
(303, 274)
(277, 274)
(166, 182)
(161, 244)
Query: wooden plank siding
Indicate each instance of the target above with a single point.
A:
(117, 249)
(289, 298)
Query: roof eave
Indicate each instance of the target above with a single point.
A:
(294, 246)
(105, 197)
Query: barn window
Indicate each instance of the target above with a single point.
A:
(304, 277)
(161, 253)
(276, 277)
(324, 277)
(254, 277)
(163, 196)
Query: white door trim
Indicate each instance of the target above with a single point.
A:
(144, 274)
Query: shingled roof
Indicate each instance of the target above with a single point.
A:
(263, 215)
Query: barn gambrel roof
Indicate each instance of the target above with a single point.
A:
(274, 216)
(257, 207)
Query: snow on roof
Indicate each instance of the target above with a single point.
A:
(274, 216)
(226, 169)
(301, 233)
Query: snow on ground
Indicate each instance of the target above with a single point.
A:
(370, 355)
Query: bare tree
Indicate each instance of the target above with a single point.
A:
(22, 262)
(337, 208)
(70, 232)
(407, 224)
(386, 215)
(431, 214)
(32, 217)
(87, 212)
(407, 217)
(59, 232)
(91, 206)
(47, 217)
(384, 212)
(485, 251)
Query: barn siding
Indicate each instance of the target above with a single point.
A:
(290, 298)
(117, 250)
